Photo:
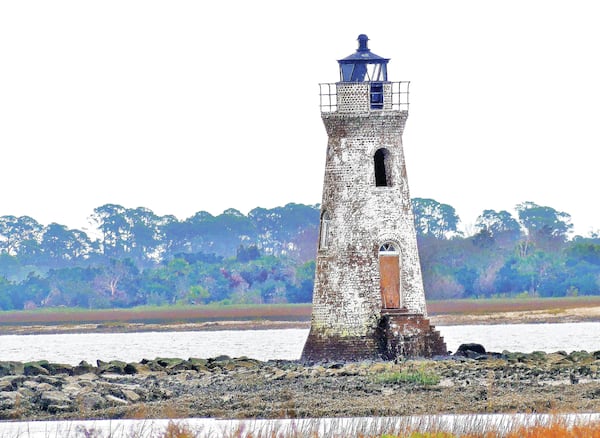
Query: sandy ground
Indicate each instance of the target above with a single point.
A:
(578, 314)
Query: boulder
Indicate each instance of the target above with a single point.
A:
(59, 368)
(471, 351)
(114, 366)
(130, 395)
(35, 369)
(90, 400)
(55, 398)
(581, 357)
(136, 368)
(7, 400)
(83, 368)
(116, 401)
(10, 368)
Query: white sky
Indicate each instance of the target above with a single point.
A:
(181, 106)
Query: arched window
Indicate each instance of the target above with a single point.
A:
(382, 174)
(388, 247)
(324, 232)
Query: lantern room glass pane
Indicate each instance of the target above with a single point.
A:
(363, 72)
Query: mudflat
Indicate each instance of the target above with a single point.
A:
(225, 387)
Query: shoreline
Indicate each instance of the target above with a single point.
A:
(245, 388)
(562, 315)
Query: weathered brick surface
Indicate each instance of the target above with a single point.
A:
(409, 335)
(347, 303)
(354, 97)
(397, 335)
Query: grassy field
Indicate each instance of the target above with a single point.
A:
(163, 314)
(278, 312)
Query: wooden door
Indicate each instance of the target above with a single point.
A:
(389, 271)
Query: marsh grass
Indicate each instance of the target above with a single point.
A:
(414, 375)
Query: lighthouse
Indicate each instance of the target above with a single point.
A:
(368, 298)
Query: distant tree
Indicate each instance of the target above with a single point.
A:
(433, 219)
(176, 238)
(112, 223)
(15, 232)
(30, 292)
(584, 250)
(117, 282)
(148, 235)
(6, 287)
(71, 287)
(301, 290)
(499, 226)
(284, 230)
(60, 245)
(545, 226)
(245, 254)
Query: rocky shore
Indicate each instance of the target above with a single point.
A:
(471, 381)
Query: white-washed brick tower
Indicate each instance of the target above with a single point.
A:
(368, 299)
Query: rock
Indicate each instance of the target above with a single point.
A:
(8, 368)
(553, 358)
(153, 365)
(581, 357)
(168, 362)
(55, 398)
(59, 368)
(7, 400)
(72, 389)
(220, 358)
(7, 384)
(116, 401)
(83, 368)
(88, 377)
(114, 366)
(279, 374)
(130, 395)
(35, 369)
(136, 368)
(40, 387)
(56, 409)
(538, 356)
(199, 365)
(516, 357)
(90, 400)
(464, 349)
(573, 378)
(244, 362)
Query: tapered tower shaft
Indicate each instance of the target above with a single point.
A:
(368, 275)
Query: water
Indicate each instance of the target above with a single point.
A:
(274, 344)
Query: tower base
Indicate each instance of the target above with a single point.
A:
(400, 334)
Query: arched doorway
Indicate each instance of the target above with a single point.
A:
(389, 273)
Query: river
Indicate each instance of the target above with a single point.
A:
(274, 344)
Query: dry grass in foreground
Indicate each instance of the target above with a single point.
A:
(557, 429)
(474, 426)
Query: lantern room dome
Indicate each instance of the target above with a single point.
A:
(363, 65)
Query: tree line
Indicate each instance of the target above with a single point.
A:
(267, 256)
